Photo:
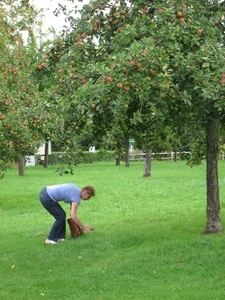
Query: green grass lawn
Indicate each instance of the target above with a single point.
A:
(147, 241)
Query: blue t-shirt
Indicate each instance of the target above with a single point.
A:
(67, 192)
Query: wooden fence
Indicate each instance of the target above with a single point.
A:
(167, 155)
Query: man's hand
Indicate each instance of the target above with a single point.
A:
(88, 228)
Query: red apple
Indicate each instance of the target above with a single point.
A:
(119, 85)
(83, 35)
(108, 79)
(145, 52)
(122, 12)
(138, 65)
(80, 44)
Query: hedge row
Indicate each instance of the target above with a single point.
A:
(78, 157)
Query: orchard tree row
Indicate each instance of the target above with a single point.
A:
(119, 69)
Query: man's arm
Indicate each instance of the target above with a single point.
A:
(73, 215)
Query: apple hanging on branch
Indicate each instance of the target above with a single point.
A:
(108, 79)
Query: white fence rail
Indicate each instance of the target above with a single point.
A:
(167, 155)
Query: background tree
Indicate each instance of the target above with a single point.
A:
(47, 122)
(95, 40)
(18, 91)
(29, 110)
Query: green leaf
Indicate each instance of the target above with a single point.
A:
(205, 65)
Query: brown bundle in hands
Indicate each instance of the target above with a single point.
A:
(75, 229)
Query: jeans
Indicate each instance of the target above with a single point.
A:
(58, 230)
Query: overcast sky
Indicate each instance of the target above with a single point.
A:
(49, 5)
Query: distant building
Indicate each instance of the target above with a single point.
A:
(31, 159)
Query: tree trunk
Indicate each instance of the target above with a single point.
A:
(127, 154)
(213, 202)
(21, 165)
(148, 157)
(148, 164)
(45, 162)
(118, 154)
(117, 161)
(175, 155)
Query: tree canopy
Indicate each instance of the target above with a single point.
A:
(131, 68)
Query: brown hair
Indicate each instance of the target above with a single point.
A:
(90, 190)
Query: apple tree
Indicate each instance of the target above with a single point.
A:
(93, 54)
(19, 93)
(193, 39)
(183, 46)
(47, 121)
